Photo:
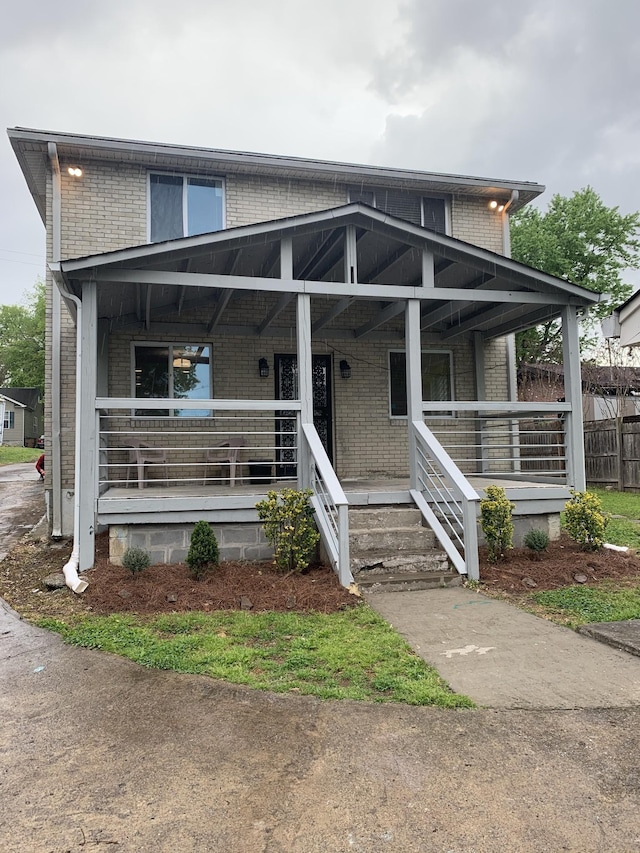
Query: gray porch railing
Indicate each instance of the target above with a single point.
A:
(330, 505)
(151, 448)
(447, 501)
(508, 440)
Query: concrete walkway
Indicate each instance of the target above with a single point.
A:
(502, 657)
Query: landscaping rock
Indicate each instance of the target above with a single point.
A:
(245, 603)
(55, 581)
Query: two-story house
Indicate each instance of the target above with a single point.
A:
(221, 322)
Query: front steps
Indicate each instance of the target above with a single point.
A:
(392, 551)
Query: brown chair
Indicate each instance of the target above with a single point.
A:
(226, 453)
(141, 456)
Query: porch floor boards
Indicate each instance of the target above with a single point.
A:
(358, 492)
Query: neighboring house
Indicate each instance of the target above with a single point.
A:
(23, 416)
(624, 322)
(607, 392)
(242, 320)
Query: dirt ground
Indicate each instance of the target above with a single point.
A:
(257, 587)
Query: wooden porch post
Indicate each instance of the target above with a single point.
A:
(574, 435)
(87, 435)
(305, 370)
(414, 381)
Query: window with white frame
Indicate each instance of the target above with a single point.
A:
(432, 212)
(174, 371)
(9, 420)
(437, 380)
(183, 206)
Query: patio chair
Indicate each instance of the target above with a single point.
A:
(226, 453)
(142, 455)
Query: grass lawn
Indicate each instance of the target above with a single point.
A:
(610, 601)
(353, 654)
(18, 454)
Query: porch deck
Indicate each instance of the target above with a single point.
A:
(216, 501)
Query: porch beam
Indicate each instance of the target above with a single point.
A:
(313, 260)
(573, 395)
(313, 287)
(86, 420)
(381, 317)
(527, 321)
(221, 306)
(339, 308)
(388, 262)
(472, 323)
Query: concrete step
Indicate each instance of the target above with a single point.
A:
(407, 582)
(384, 517)
(382, 562)
(393, 540)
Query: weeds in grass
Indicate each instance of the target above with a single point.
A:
(354, 654)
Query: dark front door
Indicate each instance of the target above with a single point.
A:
(287, 389)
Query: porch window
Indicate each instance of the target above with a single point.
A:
(9, 420)
(182, 206)
(179, 371)
(437, 380)
(432, 212)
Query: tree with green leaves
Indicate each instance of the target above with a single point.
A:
(585, 242)
(22, 341)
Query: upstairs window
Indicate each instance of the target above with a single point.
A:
(177, 371)
(182, 206)
(429, 211)
(437, 380)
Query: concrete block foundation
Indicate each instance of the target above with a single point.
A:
(169, 543)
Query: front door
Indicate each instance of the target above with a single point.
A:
(286, 370)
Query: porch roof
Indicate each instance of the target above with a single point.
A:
(470, 288)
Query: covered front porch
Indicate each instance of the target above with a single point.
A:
(384, 344)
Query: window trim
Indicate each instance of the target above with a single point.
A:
(9, 420)
(185, 178)
(429, 351)
(172, 412)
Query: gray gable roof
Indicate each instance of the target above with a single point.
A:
(27, 397)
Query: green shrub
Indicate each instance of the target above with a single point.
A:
(136, 560)
(289, 528)
(584, 520)
(536, 540)
(495, 519)
(203, 550)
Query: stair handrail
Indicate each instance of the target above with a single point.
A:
(441, 483)
(330, 505)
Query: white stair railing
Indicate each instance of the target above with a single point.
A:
(330, 505)
(447, 501)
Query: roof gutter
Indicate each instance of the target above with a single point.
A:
(56, 324)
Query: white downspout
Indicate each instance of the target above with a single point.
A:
(56, 469)
(70, 569)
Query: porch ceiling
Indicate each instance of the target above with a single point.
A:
(473, 289)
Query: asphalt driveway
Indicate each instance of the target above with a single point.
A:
(95, 750)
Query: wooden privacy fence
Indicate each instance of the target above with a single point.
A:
(612, 453)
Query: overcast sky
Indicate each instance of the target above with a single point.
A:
(544, 91)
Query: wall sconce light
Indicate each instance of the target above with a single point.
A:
(345, 369)
(496, 205)
(263, 368)
(74, 171)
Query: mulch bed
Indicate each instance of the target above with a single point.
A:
(254, 586)
(519, 571)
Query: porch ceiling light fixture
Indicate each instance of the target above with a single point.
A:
(345, 369)
(75, 171)
(263, 368)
